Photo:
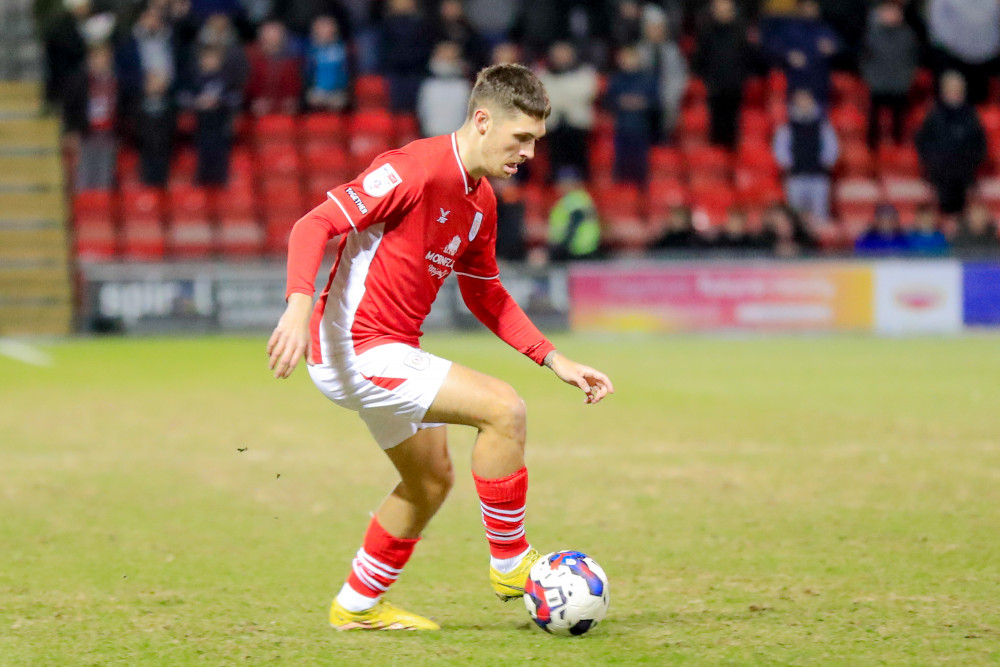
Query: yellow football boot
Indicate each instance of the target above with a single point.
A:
(383, 616)
(511, 585)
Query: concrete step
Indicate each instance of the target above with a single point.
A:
(33, 244)
(31, 170)
(48, 205)
(49, 319)
(20, 135)
(39, 280)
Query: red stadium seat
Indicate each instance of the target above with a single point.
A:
(277, 228)
(756, 156)
(898, 161)
(144, 204)
(757, 189)
(407, 128)
(915, 118)
(848, 89)
(94, 216)
(694, 122)
(275, 129)
(323, 128)
(755, 93)
(371, 133)
(713, 200)
(663, 195)
(849, 122)
(190, 230)
(602, 160)
(278, 160)
(666, 162)
(604, 126)
(755, 125)
(622, 216)
(331, 162)
(855, 160)
(855, 200)
(283, 196)
(988, 191)
(907, 194)
(184, 166)
(695, 93)
(989, 116)
(709, 161)
(128, 169)
(371, 92)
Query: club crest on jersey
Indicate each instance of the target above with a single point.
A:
(452, 247)
(381, 181)
(443, 218)
(477, 222)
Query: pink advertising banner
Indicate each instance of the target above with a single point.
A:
(722, 297)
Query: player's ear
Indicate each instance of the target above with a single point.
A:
(482, 119)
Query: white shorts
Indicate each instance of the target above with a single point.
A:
(390, 387)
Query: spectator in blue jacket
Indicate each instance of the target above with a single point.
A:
(803, 46)
(327, 77)
(926, 237)
(405, 49)
(884, 236)
(632, 95)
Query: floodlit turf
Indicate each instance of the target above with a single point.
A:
(827, 501)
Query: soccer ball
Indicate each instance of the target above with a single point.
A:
(566, 593)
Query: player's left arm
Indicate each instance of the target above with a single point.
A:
(482, 291)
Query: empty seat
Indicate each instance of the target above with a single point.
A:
(755, 125)
(856, 198)
(371, 91)
(849, 122)
(323, 128)
(278, 160)
(907, 194)
(665, 162)
(694, 122)
(898, 161)
(662, 195)
(190, 230)
(407, 128)
(94, 217)
(713, 201)
(275, 129)
(622, 216)
(855, 159)
(709, 161)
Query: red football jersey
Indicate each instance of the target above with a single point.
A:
(409, 220)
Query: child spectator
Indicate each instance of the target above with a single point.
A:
(884, 236)
(784, 233)
(678, 233)
(631, 96)
(275, 84)
(156, 129)
(214, 99)
(888, 63)
(443, 97)
(926, 238)
(806, 148)
(572, 89)
(326, 66)
(90, 115)
(734, 236)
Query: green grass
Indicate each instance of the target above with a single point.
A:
(825, 501)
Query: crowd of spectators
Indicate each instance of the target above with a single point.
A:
(127, 71)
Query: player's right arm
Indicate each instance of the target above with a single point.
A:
(384, 191)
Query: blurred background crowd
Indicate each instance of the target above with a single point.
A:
(778, 127)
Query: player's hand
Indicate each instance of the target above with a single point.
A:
(290, 340)
(593, 383)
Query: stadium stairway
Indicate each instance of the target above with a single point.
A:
(35, 285)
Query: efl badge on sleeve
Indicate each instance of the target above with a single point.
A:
(381, 181)
(477, 222)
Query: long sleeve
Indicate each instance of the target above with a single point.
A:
(307, 244)
(783, 147)
(493, 305)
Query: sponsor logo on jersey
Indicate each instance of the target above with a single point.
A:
(439, 259)
(357, 200)
(443, 218)
(381, 181)
(477, 222)
(452, 247)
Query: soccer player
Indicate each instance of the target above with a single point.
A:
(414, 216)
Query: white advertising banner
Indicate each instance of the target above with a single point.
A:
(916, 297)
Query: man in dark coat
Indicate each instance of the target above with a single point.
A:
(952, 144)
(723, 62)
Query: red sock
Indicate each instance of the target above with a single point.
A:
(379, 561)
(502, 502)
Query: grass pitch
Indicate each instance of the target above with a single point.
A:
(769, 501)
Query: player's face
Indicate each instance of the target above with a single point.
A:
(509, 141)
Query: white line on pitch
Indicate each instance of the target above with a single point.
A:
(26, 354)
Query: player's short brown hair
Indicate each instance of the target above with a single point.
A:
(510, 87)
